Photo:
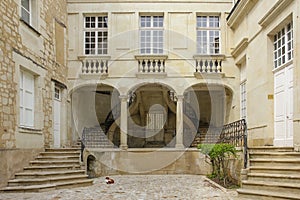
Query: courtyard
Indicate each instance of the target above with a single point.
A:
(136, 187)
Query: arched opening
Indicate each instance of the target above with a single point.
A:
(206, 105)
(152, 117)
(95, 108)
(91, 164)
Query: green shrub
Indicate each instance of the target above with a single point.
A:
(218, 155)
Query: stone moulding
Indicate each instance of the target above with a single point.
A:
(241, 46)
(274, 11)
(240, 12)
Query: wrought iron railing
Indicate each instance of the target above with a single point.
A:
(235, 133)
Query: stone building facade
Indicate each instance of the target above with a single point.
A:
(145, 75)
(33, 63)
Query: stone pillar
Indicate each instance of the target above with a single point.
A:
(123, 122)
(179, 122)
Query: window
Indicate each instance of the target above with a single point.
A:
(26, 10)
(26, 99)
(243, 100)
(151, 34)
(56, 93)
(208, 35)
(283, 45)
(96, 35)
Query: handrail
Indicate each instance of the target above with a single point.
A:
(235, 133)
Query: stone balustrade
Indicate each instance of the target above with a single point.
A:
(94, 65)
(209, 64)
(151, 64)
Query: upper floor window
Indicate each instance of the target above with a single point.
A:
(208, 35)
(283, 45)
(151, 34)
(243, 100)
(95, 35)
(26, 99)
(26, 10)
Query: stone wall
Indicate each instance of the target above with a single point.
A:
(145, 161)
(15, 39)
(34, 44)
(9, 165)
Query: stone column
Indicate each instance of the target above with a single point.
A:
(123, 122)
(179, 122)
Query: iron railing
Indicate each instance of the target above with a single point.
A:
(235, 133)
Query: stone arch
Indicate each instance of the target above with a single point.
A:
(143, 83)
(92, 102)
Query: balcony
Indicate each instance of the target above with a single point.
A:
(96, 66)
(153, 66)
(208, 64)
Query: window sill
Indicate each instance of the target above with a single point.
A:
(209, 56)
(84, 57)
(151, 56)
(27, 130)
(30, 27)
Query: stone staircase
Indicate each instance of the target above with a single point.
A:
(274, 173)
(52, 169)
(96, 138)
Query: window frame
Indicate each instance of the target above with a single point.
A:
(281, 44)
(96, 30)
(22, 95)
(207, 29)
(156, 46)
(29, 12)
(243, 99)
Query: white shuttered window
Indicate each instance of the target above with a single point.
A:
(26, 99)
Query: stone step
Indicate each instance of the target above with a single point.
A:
(275, 170)
(54, 162)
(62, 149)
(267, 195)
(57, 157)
(284, 162)
(68, 153)
(48, 180)
(274, 154)
(286, 178)
(50, 168)
(289, 188)
(270, 149)
(47, 187)
(43, 174)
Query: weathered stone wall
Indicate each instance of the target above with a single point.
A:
(12, 40)
(9, 165)
(16, 40)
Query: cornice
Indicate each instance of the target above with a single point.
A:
(279, 6)
(241, 10)
(241, 46)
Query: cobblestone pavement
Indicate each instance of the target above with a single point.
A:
(135, 187)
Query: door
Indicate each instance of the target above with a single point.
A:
(56, 127)
(283, 107)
